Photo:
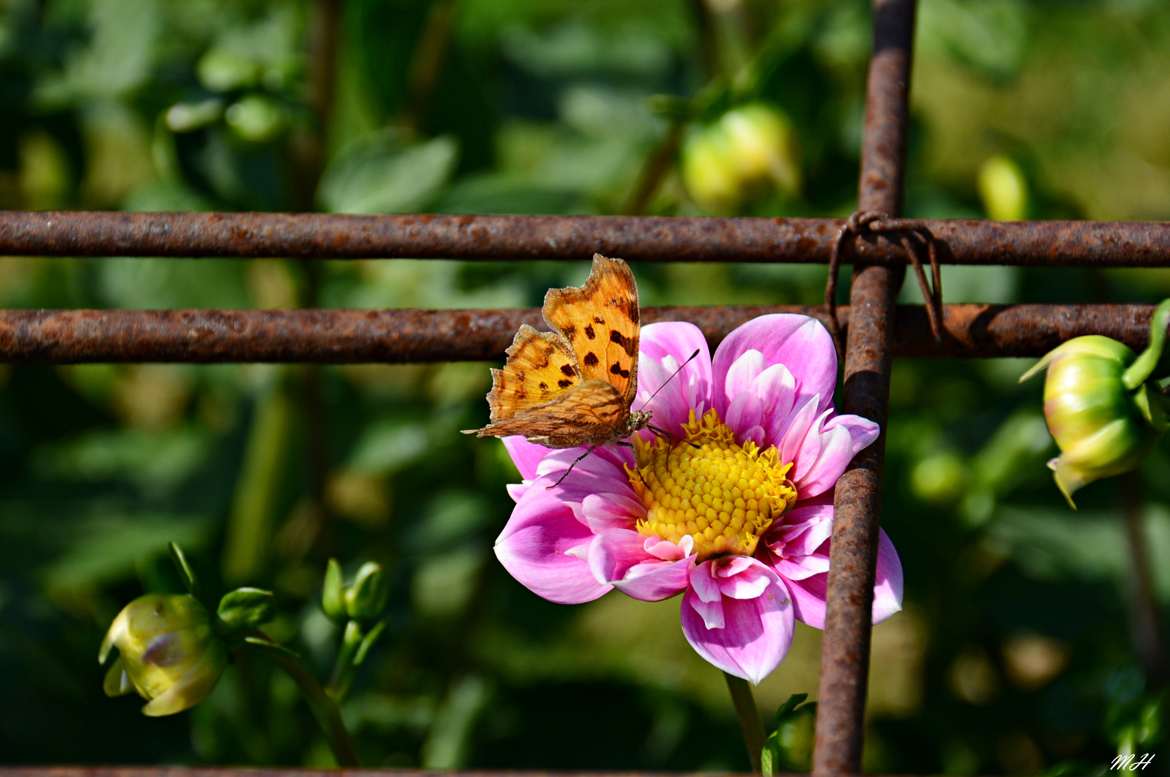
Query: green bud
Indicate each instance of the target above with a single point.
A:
(1003, 189)
(222, 70)
(190, 116)
(255, 118)
(333, 591)
(707, 170)
(747, 152)
(1100, 407)
(247, 608)
(168, 653)
(763, 148)
(366, 598)
(939, 478)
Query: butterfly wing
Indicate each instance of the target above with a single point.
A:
(587, 413)
(539, 365)
(600, 322)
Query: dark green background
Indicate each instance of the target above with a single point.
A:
(1013, 653)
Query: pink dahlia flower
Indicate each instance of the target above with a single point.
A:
(733, 510)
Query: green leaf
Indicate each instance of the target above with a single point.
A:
(247, 608)
(386, 174)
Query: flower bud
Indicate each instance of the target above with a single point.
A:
(1003, 189)
(1100, 408)
(747, 152)
(168, 653)
(333, 592)
(366, 598)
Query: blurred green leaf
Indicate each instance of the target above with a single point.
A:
(384, 173)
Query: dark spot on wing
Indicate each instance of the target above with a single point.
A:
(564, 383)
(591, 359)
(598, 320)
(543, 386)
(626, 343)
(616, 369)
(589, 331)
(568, 330)
(567, 370)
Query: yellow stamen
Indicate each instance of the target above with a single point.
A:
(722, 493)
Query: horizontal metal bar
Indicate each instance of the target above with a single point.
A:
(412, 336)
(651, 239)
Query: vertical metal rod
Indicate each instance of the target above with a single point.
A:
(845, 652)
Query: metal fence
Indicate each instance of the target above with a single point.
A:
(877, 330)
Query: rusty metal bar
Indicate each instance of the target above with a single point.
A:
(651, 239)
(857, 502)
(419, 336)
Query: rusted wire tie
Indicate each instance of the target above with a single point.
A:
(914, 238)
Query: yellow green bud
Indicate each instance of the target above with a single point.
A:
(748, 151)
(763, 148)
(1003, 189)
(168, 653)
(1100, 407)
(707, 170)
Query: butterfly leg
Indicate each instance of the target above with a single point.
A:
(660, 432)
(576, 461)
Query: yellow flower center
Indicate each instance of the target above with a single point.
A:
(721, 493)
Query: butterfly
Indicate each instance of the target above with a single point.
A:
(572, 387)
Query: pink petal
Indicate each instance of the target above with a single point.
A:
(602, 512)
(800, 343)
(797, 426)
(744, 414)
(664, 347)
(804, 528)
(808, 600)
(809, 594)
(840, 439)
(803, 567)
(777, 388)
(525, 455)
(743, 373)
(600, 472)
(703, 583)
(537, 545)
(809, 449)
(517, 490)
(887, 590)
(619, 558)
(755, 633)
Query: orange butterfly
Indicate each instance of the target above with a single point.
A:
(573, 386)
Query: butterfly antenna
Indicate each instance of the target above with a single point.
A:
(672, 377)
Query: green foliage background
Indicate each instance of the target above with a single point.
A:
(1014, 653)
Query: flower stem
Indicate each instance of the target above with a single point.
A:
(749, 717)
(1145, 364)
(324, 708)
